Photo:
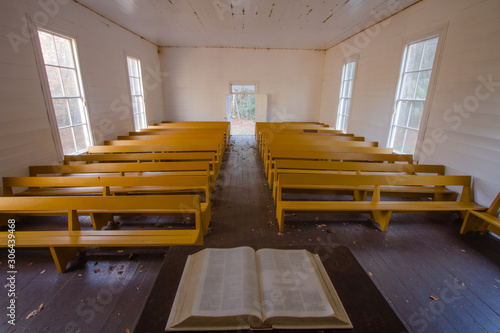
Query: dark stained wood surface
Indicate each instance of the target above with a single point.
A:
(365, 305)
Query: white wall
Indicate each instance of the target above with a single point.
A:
(25, 135)
(467, 142)
(198, 80)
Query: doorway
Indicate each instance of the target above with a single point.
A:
(240, 109)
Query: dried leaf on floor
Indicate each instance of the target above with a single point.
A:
(434, 297)
(35, 312)
(31, 314)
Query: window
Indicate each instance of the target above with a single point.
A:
(137, 93)
(68, 101)
(414, 79)
(242, 89)
(345, 95)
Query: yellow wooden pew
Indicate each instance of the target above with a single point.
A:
(379, 210)
(346, 157)
(325, 167)
(266, 137)
(137, 147)
(64, 244)
(181, 168)
(304, 150)
(319, 145)
(110, 186)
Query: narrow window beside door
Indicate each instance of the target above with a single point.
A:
(137, 93)
(66, 92)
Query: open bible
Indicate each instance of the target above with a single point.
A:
(239, 288)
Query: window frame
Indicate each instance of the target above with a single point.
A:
(431, 33)
(44, 81)
(341, 93)
(143, 93)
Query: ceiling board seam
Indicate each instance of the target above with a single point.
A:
(388, 17)
(242, 48)
(116, 23)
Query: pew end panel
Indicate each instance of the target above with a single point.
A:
(483, 221)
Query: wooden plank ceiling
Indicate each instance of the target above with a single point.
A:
(281, 24)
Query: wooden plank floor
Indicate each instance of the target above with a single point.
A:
(421, 255)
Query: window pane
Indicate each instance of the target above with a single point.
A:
(350, 70)
(135, 87)
(402, 113)
(70, 82)
(347, 89)
(62, 112)
(249, 89)
(414, 57)
(55, 84)
(76, 111)
(64, 52)
(341, 107)
(409, 84)
(398, 139)
(347, 106)
(137, 121)
(423, 84)
(48, 48)
(81, 137)
(136, 104)
(340, 124)
(416, 115)
(133, 69)
(429, 53)
(410, 142)
(236, 88)
(143, 121)
(67, 140)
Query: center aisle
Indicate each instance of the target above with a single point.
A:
(243, 209)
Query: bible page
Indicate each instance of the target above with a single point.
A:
(290, 286)
(228, 284)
